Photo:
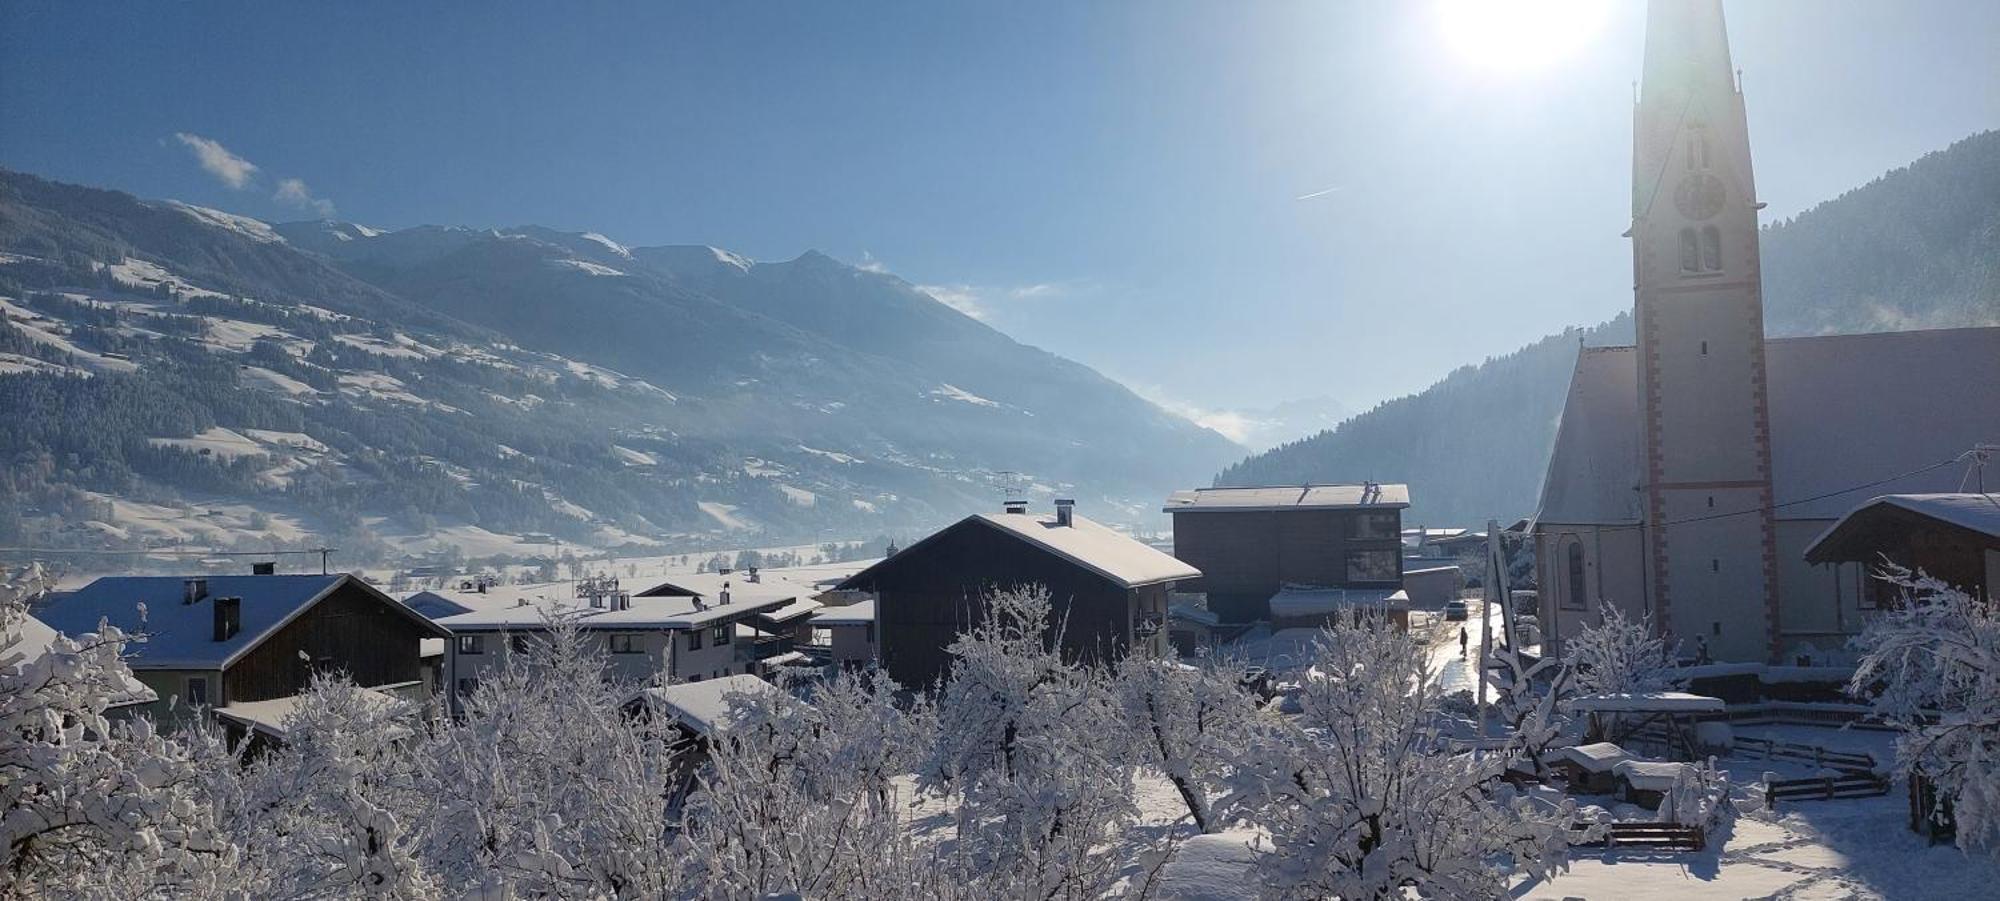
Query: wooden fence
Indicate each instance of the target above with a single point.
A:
(1652, 837)
(1825, 788)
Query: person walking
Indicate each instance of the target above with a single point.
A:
(1462, 639)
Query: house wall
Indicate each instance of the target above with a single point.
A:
(928, 594)
(171, 709)
(852, 645)
(711, 660)
(1244, 557)
(350, 630)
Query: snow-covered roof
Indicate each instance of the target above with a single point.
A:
(788, 658)
(1193, 613)
(1846, 539)
(1290, 497)
(1650, 775)
(645, 613)
(1597, 757)
(270, 716)
(1293, 600)
(1647, 702)
(1593, 474)
(1092, 545)
(1917, 396)
(857, 614)
(181, 635)
(704, 706)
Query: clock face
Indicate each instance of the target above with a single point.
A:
(1700, 196)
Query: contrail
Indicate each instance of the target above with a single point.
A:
(1317, 193)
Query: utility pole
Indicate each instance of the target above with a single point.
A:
(1496, 591)
(324, 553)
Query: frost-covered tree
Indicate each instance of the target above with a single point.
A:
(1364, 799)
(1930, 666)
(1193, 723)
(1029, 745)
(331, 811)
(1618, 655)
(795, 798)
(546, 788)
(87, 803)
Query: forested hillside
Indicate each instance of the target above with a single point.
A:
(1917, 248)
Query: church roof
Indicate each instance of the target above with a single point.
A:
(1852, 416)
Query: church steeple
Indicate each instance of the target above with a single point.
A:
(1699, 310)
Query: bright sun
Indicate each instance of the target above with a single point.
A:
(1519, 34)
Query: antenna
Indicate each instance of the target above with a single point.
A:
(1011, 487)
(1975, 472)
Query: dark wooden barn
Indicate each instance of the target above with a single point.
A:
(1251, 542)
(1108, 590)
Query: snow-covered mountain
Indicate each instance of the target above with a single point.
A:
(432, 385)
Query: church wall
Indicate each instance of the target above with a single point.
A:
(1614, 571)
(1707, 415)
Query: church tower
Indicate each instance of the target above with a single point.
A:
(1710, 538)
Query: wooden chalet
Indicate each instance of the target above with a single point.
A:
(216, 641)
(1108, 590)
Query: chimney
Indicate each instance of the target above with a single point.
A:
(723, 598)
(193, 590)
(753, 577)
(228, 618)
(266, 568)
(1012, 505)
(1065, 512)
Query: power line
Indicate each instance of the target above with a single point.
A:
(1792, 503)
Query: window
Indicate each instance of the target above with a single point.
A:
(197, 691)
(1576, 595)
(1711, 249)
(694, 639)
(721, 634)
(467, 686)
(1373, 526)
(1690, 252)
(1374, 566)
(472, 644)
(518, 643)
(626, 643)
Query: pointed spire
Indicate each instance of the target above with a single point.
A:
(1688, 80)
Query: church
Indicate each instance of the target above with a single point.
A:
(1691, 470)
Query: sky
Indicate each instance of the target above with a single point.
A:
(1224, 205)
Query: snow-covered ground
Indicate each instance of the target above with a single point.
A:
(1853, 848)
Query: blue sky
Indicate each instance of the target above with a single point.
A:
(1118, 182)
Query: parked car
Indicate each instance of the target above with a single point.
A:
(1454, 611)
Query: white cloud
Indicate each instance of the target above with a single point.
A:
(293, 192)
(1231, 424)
(977, 301)
(963, 298)
(870, 264)
(233, 170)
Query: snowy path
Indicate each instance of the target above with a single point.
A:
(1455, 672)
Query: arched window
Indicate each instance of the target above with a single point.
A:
(1690, 252)
(1711, 249)
(1576, 594)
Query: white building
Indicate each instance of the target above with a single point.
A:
(682, 637)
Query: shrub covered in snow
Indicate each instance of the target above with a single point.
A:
(1930, 666)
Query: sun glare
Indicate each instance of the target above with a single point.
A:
(1519, 34)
